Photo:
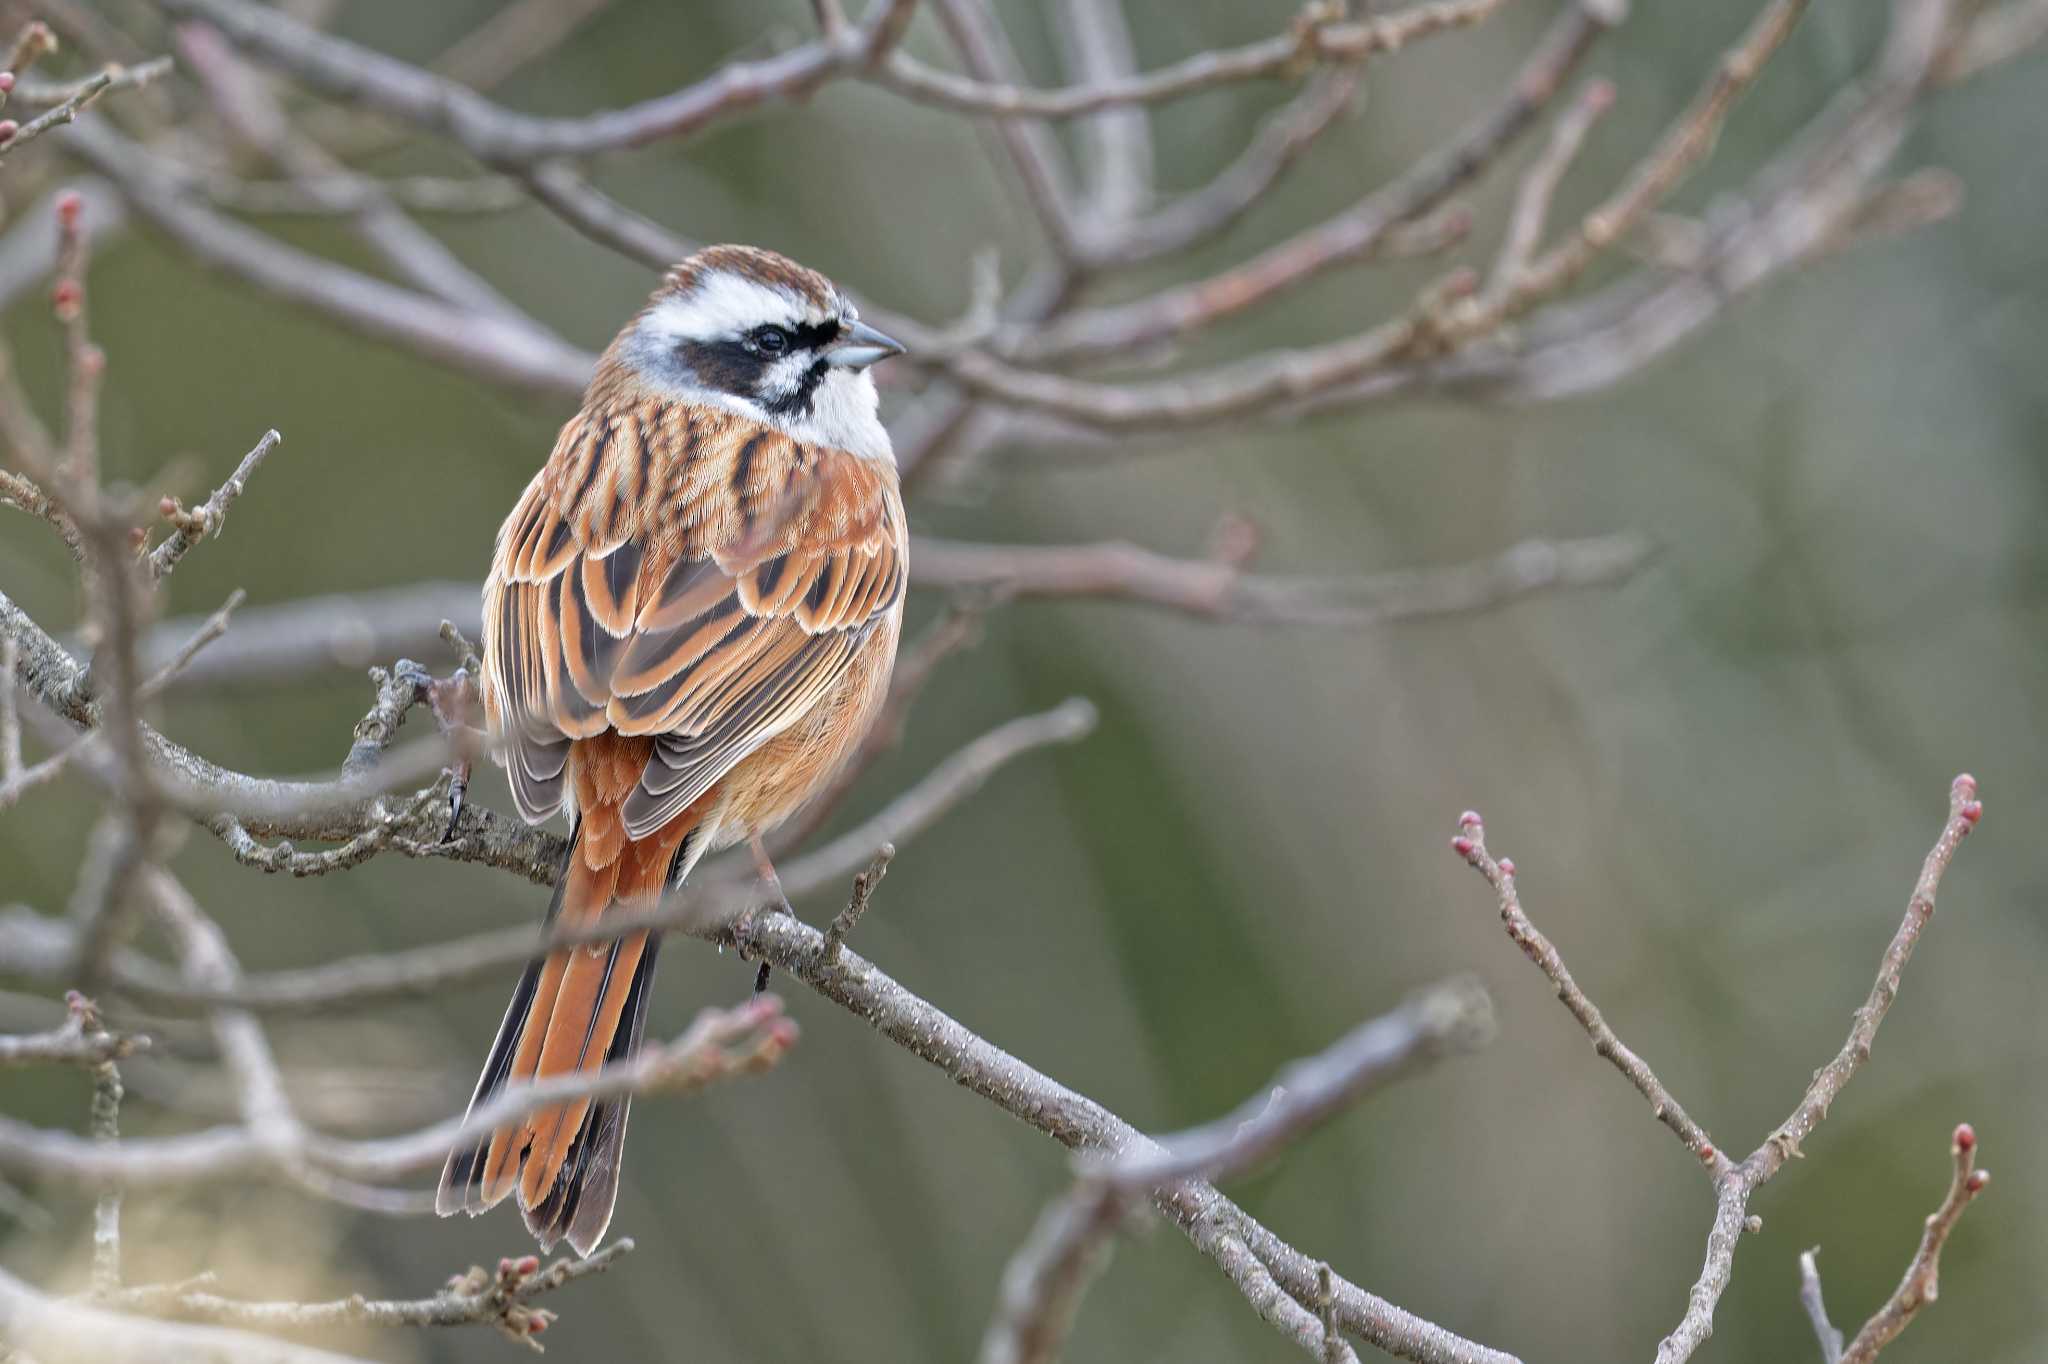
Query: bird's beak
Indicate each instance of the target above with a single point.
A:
(858, 345)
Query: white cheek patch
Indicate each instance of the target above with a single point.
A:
(786, 375)
(844, 415)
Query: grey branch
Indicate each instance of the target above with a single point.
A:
(1044, 1281)
(79, 1041)
(720, 1045)
(68, 104)
(1828, 1082)
(118, 1331)
(1922, 1281)
(58, 1331)
(1470, 843)
(35, 945)
(1734, 1182)
(188, 528)
(1449, 1018)
(286, 641)
(1275, 1277)
(1816, 1307)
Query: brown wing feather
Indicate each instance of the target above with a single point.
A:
(689, 576)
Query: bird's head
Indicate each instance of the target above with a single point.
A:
(756, 333)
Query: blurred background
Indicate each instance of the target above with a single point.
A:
(1717, 779)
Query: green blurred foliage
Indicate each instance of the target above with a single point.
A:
(1717, 781)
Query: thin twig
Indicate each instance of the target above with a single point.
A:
(1043, 1283)
(211, 629)
(79, 1041)
(75, 100)
(864, 885)
(59, 1331)
(1539, 183)
(1454, 1017)
(188, 528)
(1816, 1309)
(1922, 1281)
(1316, 37)
(1732, 1202)
(1470, 843)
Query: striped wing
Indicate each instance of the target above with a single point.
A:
(682, 574)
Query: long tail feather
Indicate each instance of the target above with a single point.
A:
(575, 1010)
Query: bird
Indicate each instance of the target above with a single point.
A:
(690, 622)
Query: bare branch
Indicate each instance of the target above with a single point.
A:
(1470, 843)
(507, 353)
(54, 1331)
(250, 109)
(1219, 589)
(1033, 154)
(1275, 1277)
(1540, 182)
(1450, 1018)
(188, 528)
(1922, 1283)
(1354, 235)
(1816, 1309)
(39, 947)
(501, 137)
(22, 494)
(211, 629)
(1043, 1283)
(1095, 40)
(286, 641)
(499, 1299)
(845, 921)
(1731, 1208)
(79, 1041)
(1316, 37)
(70, 103)
(1281, 143)
(719, 1045)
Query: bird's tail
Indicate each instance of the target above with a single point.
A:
(575, 1010)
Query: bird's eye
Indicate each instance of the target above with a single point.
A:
(770, 340)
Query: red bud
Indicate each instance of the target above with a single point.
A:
(69, 205)
(1976, 1182)
(1462, 846)
(1470, 820)
(1507, 866)
(1966, 1136)
(6, 82)
(8, 128)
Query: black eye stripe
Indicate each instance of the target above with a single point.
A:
(741, 366)
(812, 335)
